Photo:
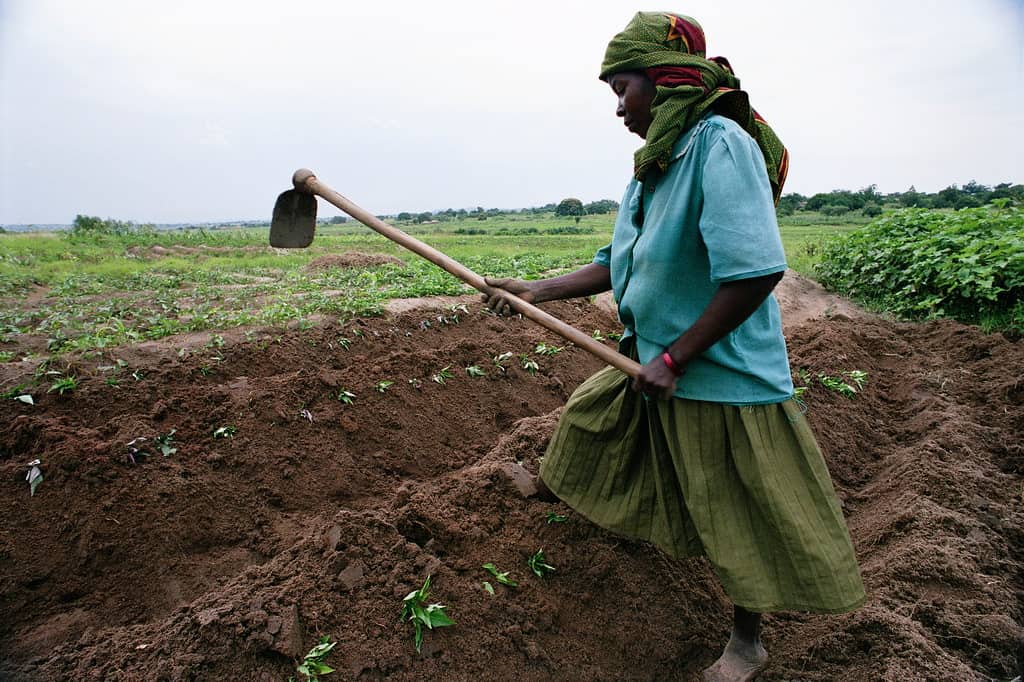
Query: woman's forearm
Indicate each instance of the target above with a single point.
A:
(588, 280)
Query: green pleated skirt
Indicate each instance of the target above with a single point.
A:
(744, 486)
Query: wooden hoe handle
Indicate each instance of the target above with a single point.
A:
(305, 181)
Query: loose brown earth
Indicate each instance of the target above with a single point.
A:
(230, 557)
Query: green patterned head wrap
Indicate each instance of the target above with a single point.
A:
(670, 49)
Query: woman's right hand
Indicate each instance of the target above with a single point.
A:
(497, 302)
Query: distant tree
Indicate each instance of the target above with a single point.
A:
(423, 217)
(569, 207)
(405, 215)
(1005, 190)
(913, 199)
(871, 209)
(88, 224)
(601, 207)
(338, 220)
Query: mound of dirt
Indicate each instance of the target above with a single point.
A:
(229, 557)
(352, 259)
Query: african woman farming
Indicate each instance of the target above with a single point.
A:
(704, 452)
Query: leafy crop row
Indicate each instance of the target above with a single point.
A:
(968, 265)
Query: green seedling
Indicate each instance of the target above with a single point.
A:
(553, 517)
(216, 341)
(313, 665)
(138, 375)
(488, 587)
(64, 385)
(14, 393)
(347, 397)
(344, 342)
(529, 364)
(34, 476)
(226, 431)
(858, 377)
(165, 443)
(416, 383)
(306, 414)
(798, 392)
(6, 355)
(500, 576)
(544, 349)
(500, 360)
(842, 385)
(135, 449)
(443, 376)
(598, 336)
(475, 371)
(416, 610)
(538, 564)
(383, 385)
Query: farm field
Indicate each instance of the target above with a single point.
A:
(245, 449)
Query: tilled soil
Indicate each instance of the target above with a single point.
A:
(230, 557)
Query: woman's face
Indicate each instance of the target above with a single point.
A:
(635, 92)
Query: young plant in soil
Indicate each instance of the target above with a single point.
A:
(500, 360)
(847, 384)
(416, 610)
(383, 385)
(165, 443)
(313, 665)
(554, 517)
(64, 385)
(226, 431)
(544, 349)
(529, 364)
(346, 397)
(539, 565)
(500, 576)
(34, 476)
(475, 371)
(443, 375)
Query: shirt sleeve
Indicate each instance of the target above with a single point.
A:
(604, 256)
(737, 222)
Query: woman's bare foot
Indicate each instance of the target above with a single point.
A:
(740, 662)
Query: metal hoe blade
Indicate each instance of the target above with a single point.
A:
(294, 220)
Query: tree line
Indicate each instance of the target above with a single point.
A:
(869, 200)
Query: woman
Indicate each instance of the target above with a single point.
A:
(705, 452)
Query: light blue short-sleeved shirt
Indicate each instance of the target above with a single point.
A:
(708, 219)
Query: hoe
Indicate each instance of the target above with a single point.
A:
(294, 224)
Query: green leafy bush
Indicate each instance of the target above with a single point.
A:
(968, 265)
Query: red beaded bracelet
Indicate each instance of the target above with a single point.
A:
(672, 366)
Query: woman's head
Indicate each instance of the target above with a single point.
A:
(655, 39)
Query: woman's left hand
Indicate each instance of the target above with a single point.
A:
(656, 380)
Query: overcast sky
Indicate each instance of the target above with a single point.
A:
(200, 110)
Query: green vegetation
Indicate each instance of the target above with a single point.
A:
(416, 610)
(226, 431)
(107, 282)
(313, 665)
(967, 264)
(539, 565)
(500, 576)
